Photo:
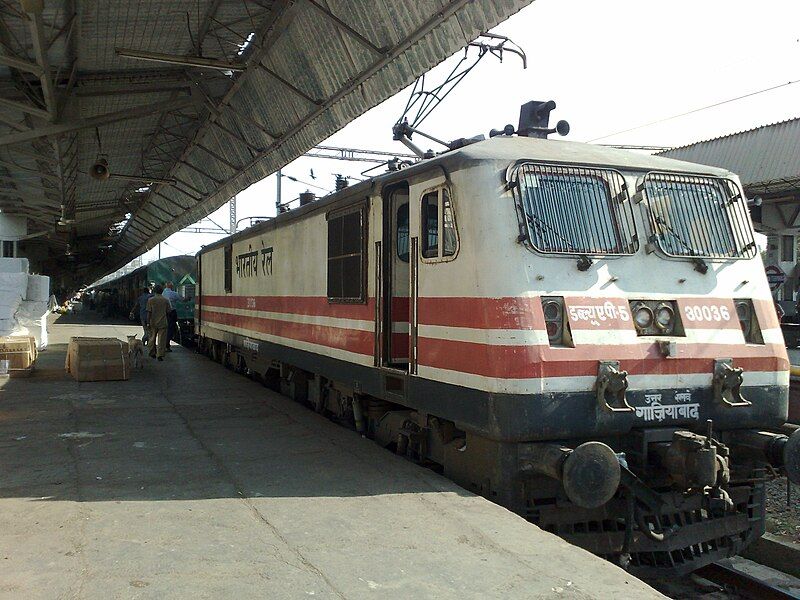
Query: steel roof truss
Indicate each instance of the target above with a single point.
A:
(40, 47)
(88, 122)
(21, 64)
(149, 207)
(68, 27)
(347, 28)
(199, 171)
(218, 157)
(26, 108)
(235, 136)
(250, 120)
(35, 172)
(171, 201)
(293, 88)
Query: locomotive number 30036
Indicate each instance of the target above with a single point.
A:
(711, 312)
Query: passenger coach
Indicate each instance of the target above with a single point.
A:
(582, 334)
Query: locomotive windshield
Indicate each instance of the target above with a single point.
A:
(698, 216)
(571, 210)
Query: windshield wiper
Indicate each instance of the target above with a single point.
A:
(537, 222)
(584, 262)
(699, 264)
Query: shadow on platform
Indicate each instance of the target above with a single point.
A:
(90, 317)
(185, 428)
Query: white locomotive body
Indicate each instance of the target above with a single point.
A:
(582, 334)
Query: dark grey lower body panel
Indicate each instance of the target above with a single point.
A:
(527, 417)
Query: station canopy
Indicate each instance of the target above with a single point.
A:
(188, 102)
(766, 159)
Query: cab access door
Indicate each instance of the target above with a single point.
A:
(396, 270)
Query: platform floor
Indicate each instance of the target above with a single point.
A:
(189, 481)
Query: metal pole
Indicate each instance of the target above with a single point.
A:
(278, 198)
(159, 250)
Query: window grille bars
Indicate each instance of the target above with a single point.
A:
(572, 210)
(698, 217)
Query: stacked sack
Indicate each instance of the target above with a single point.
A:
(23, 301)
(32, 311)
(13, 289)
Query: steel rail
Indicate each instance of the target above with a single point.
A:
(744, 584)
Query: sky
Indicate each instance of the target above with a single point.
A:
(610, 65)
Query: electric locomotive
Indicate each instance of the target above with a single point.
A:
(582, 334)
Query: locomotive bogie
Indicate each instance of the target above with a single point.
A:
(509, 314)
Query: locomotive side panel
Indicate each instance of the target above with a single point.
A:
(275, 306)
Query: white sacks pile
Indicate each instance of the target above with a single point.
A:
(23, 301)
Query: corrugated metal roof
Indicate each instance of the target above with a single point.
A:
(310, 67)
(765, 158)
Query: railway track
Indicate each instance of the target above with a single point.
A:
(743, 585)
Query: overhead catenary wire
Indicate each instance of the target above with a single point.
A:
(173, 247)
(695, 110)
(296, 180)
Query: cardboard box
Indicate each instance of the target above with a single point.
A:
(20, 352)
(98, 359)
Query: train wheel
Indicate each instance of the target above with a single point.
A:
(225, 359)
(272, 380)
(241, 366)
(215, 352)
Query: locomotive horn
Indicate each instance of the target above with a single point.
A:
(100, 170)
(590, 473)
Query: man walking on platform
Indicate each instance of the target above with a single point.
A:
(140, 309)
(172, 316)
(157, 309)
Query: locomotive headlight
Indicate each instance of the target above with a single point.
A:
(553, 331)
(664, 317)
(553, 309)
(643, 316)
(745, 314)
(656, 317)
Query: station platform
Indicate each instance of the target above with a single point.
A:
(189, 481)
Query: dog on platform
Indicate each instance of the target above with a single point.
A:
(135, 351)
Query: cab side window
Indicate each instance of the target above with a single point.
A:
(347, 255)
(430, 225)
(401, 234)
(449, 236)
(439, 233)
(228, 271)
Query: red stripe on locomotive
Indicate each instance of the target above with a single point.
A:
(523, 362)
(482, 313)
(299, 305)
(352, 340)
